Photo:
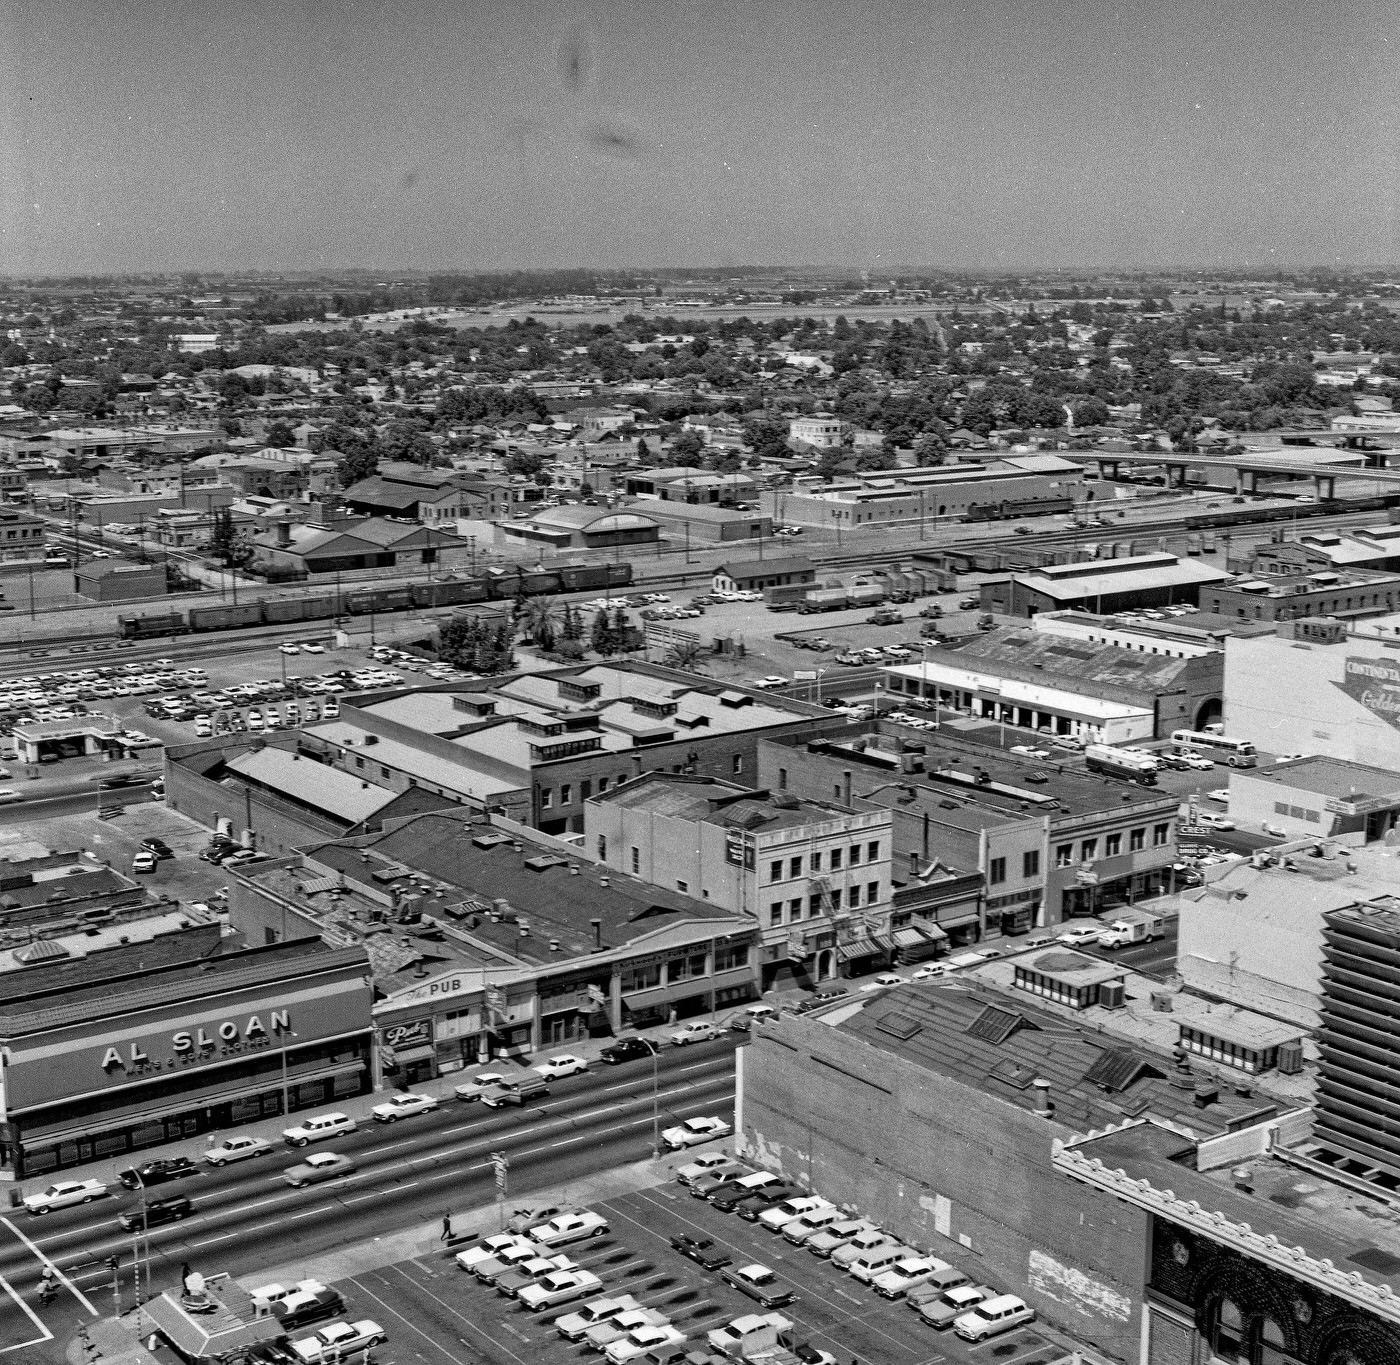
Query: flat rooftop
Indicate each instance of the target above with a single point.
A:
(1330, 777)
(476, 865)
(1301, 1207)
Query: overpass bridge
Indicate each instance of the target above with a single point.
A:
(1245, 470)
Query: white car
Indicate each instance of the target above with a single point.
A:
(883, 980)
(311, 647)
(318, 1129)
(931, 972)
(640, 1340)
(478, 1085)
(1211, 820)
(694, 1131)
(1221, 794)
(1030, 751)
(239, 1148)
(402, 1106)
(790, 1210)
(289, 649)
(772, 680)
(1198, 761)
(702, 1165)
(490, 1247)
(992, 1317)
(563, 1065)
(572, 1326)
(564, 1228)
(698, 1031)
(1079, 938)
(563, 1286)
(62, 1193)
(338, 1340)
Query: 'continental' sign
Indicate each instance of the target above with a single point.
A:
(1375, 683)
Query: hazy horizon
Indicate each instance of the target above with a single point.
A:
(1002, 137)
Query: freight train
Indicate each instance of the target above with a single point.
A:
(495, 585)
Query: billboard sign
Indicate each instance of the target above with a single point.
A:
(411, 1033)
(1375, 684)
(738, 849)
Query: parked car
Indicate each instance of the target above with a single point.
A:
(613, 1329)
(63, 1193)
(318, 1129)
(157, 846)
(566, 1064)
(240, 1148)
(573, 1326)
(570, 1227)
(946, 1308)
(694, 1131)
(157, 1212)
(644, 1341)
(628, 1050)
(157, 1172)
(403, 1106)
(308, 1305)
(531, 1271)
(992, 1317)
(489, 1248)
(561, 1286)
(318, 1168)
(474, 1088)
(904, 1275)
(777, 1216)
(761, 1284)
(1079, 938)
(339, 1340)
(707, 1173)
(858, 1245)
(697, 1031)
(726, 1197)
(145, 861)
(1211, 820)
(704, 1251)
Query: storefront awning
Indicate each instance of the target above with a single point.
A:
(933, 932)
(38, 1136)
(956, 921)
(884, 943)
(862, 947)
(415, 1054)
(907, 938)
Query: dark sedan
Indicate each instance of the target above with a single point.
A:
(158, 1211)
(158, 1172)
(750, 1208)
(628, 1050)
(703, 1251)
(158, 846)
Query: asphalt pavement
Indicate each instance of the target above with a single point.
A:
(409, 1174)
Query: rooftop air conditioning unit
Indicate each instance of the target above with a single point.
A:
(1112, 995)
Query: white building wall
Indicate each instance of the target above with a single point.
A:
(1291, 696)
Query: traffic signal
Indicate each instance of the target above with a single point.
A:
(113, 1262)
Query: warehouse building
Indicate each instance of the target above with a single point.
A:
(1338, 593)
(1094, 688)
(1102, 586)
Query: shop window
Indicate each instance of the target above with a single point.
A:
(641, 978)
(685, 968)
(1112, 845)
(1135, 840)
(1030, 863)
(1064, 855)
(730, 956)
(996, 871)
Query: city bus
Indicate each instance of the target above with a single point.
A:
(1238, 753)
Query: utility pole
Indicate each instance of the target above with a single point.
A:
(502, 1165)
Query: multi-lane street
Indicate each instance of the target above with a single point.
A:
(245, 1216)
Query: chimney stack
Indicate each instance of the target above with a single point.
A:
(597, 935)
(1044, 1105)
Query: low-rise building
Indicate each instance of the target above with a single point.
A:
(579, 527)
(813, 875)
(823, 430)
(1095, 689)
(110, 580)
(753, 575)
(708, 523)
(1051, 842)
(1102, 586)
(531, 944)
(1337, 593)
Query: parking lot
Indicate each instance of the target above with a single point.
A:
(435, 1312)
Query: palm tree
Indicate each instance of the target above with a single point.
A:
(685, 654)
(540, 620)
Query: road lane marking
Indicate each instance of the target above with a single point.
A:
(222, 1237)
(423, 1288)
(32, 1316)
(44, 1260)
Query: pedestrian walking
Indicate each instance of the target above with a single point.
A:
(446, 1227)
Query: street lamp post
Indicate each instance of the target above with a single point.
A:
(285, 1089)
(655, 1109)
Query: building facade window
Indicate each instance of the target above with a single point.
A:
(1088, 850)
(775, 914)
(872, 893)
(996, 871)
(794, 867)
(730, 956)
(1064, 855)
(775, 870)
(1136, 838)
(1112, 845)
(602, 848)
(738, 764)
(1159, 834)
(836, 860)
(1030, 863)
(872, 851)
(636, 861)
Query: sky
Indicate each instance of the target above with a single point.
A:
(881, 135)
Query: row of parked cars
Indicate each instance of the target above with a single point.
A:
(942, 1294)
(524, 1263)
(301, 1304)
